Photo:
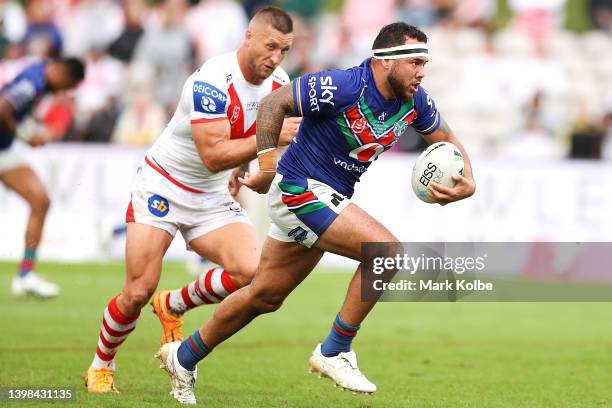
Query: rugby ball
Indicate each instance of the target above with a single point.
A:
(438, 163)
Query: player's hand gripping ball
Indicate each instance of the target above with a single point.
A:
(438, 163)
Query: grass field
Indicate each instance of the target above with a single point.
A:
(419, 354)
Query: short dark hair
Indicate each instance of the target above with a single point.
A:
(74, 68)
(277, 18)
(395, 34)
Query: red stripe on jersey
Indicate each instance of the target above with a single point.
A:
(276, 85)
(172, 179)
(208, 285)
(366, 155)
(129, 214)
(235, 114)
(205, 120)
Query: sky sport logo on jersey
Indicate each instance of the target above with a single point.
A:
(208, 99)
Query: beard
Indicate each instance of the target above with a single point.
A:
(397, 86)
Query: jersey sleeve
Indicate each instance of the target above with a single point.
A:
(24, 89)
(279, 78)
(327, 93)
(428, 118)
(208, 95)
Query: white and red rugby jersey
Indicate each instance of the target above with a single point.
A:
(216, 91)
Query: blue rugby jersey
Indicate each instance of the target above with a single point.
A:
(347, 124)
(22, 93)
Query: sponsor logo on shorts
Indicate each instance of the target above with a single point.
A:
(208, 98)
(298, 234)
(158, 206)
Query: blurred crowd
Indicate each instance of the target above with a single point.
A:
(514, 78)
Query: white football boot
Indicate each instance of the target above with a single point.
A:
(341, 369)
(33, 284)
(182, 380)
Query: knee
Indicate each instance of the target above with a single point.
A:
(40, 202)
(383, 249)
(135, 298)
(265, 301)
(241, 275)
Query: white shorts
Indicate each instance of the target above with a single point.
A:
(163, 202)
(302, 209)
(11, 159)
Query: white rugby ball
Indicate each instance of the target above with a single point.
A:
(438, 163)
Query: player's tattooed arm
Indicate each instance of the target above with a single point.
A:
(270, 116)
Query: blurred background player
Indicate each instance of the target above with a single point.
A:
(17, 99)
(182, 185)
(350, 118)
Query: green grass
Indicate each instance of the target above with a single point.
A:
(419, 354)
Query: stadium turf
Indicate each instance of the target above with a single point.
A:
(419, 354)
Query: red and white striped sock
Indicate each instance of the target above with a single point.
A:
(114, 330)
(211, 287)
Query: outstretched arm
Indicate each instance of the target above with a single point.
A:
(465, 185)
(270, 116)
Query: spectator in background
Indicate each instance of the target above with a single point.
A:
(216, 27)
(363, 23)
(601, 14)
(142, 119)
(474, 13)
(42, 37)
(534, 140)
(12, 23)
(305, 9)
(540, 18)
(91, 23)
(299, 61)
(134, 13)
(420, 13)
(166, 47)
(97, 98)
